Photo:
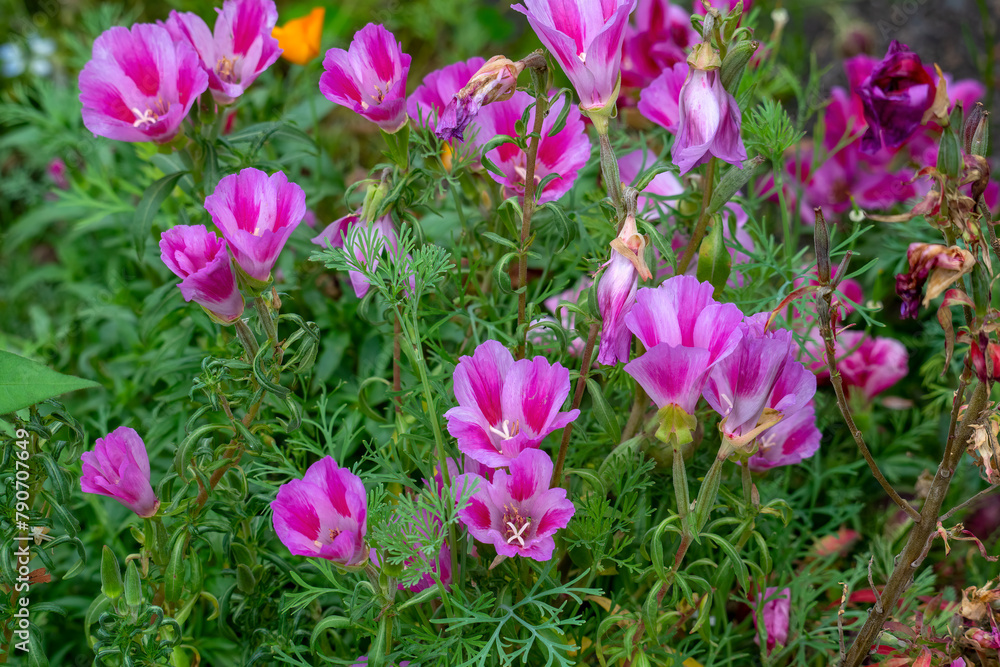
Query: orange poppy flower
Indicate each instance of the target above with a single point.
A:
(299, 38)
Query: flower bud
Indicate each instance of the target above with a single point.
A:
(735, 62)
(976, 132)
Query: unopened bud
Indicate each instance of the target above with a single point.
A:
(976, 133)
(374, 197)
(495, 81)
(736, 62)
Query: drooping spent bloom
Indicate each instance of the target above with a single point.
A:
(365, 243)
(759, 383)
(324, 514)
(299, 39)
(140, 84)
(937, 265)
(495, 81)
(616, 291)
(506, 406)
(240, 48)
(200, 259)
(119, 468)
(776, 611)
(438, 88)
(585, 37)
(659, 37)
(895, 95)
(660, 101)
(686, 333)
(369, 78)
(792, 440)
(256, 214)
(517, 512)
(708, 121)
(869, 365)
(563, 153)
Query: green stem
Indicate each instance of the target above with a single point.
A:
(699, 230)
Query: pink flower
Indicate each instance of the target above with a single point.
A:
(895, 94)
(686, 333)
(563, 153)
(426, 103)
(616, 292)
(370, 77)
(871, 364)
(200, 260)
(119, 468)
(776, 614)
(660, 101)
(658, 38)
(256, 214)
(241, 48)
(585, 37)
(57, 172)
(140, 84)
(323, 514)
(373, 239)
(792, 440)
(506, 406)
(708, 123)
(760, 373)
(517, 512)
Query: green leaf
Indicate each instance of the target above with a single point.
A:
(501, 276)
(173, 579)
(714, 262)
(603, 411)
(24, 382)
(147, 209)
(495, 142)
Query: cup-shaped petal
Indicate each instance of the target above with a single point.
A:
(672, 374)
(200, 259)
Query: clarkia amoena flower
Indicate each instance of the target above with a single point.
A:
(323, 514)
(776, 612)
(506, 406)
(585, 37)
(792, 440)
(119, 468)
(200, 259)
(256, 214)
(495, 81)
(895, 95)
(427, 102)
(616, 291)
(517, 512)
(869, 365)
(140, 84)
(686, 333)
(658, 38)
(370, 77)
(240, 49)
(563, 153)
(660, 101)
(708, 121)
(299, 38)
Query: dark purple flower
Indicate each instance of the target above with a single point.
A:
(896, 94)
(495, 81)
(140, 84)
(438, 88)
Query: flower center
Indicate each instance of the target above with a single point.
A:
(515, 525)
(145, 117)
(225, 68)
(333, 534)
(506, 431)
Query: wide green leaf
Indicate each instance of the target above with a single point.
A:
(24, 382)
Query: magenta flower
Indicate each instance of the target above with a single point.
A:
(241, 48)
(760, 373)
(585, 37)
(563, 153)
(616, 292)
(139, 85)
(872, 365)
(660, 101)
(428, 101)
(686, 333)
(57, 172)
(323, 514)
(895, 94)
(506, 406)
(119, 468)
(776, 611)
(792, 440)
(256, 214)
(517, 512)
(659, 37)
(708, 123)
(335, 234)
(370, 77)
(200, 260)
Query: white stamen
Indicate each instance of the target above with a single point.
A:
(504, 434)
(517, 533)
(582, 57)
(728, 401)
(318, 544)
(143, 118)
